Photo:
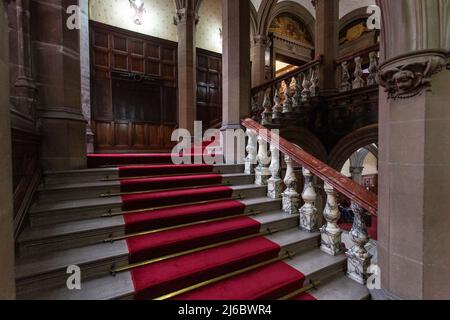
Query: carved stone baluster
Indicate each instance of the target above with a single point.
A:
(297, 95)
(267, 113)
(262, 171)
(314, 82)
(359, 259)
(290, 195)
(373, 69)
(252, 152)
(309, 219)
(306, 93)
(345, 78)
(277, 107)
(274, 183)
(287, 105)
(331, 233)
(358, 82)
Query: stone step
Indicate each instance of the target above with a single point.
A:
(42, 239)
(92, 175)
(36, 276)
(340, 287)
(75, 210)
(94, 189)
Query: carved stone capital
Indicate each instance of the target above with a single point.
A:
(410, 75)
(259, 40)
(184, 16)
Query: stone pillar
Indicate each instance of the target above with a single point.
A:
(57, 65)
(7, 279)
(186, 20)
(414, 158)
(236, 62)
(326, 42)
(85, 67)
(258, 58)
(23, 89)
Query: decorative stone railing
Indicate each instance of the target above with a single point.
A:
(267, 167)
(288, 93)
(358, 70)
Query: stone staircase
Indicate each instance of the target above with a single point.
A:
(74, 214)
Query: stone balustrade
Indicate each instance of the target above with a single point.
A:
(358, 70)
(267, 150)
(286, 95)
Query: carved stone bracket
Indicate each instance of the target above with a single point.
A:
(410, 75)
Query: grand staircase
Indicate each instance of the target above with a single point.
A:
(163, 231)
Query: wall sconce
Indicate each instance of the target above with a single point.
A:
(139, 10)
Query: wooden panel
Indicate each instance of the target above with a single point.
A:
(209, 87)
(134, 95)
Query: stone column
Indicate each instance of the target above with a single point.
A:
(326, 42)
(57, 64)
(236, 62)
(85, 67)
(258, 58)
(414, 159)
(7, 279)
(186, 19)
(356, 173)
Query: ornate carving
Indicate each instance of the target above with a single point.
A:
(309, 219)
(409, 76)
(331, 233)
(290, 195)
(287, 105)
(274, 183)
(252, 151)
(262, 171)
(358, 82)
(358, 258)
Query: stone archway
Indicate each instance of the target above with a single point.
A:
(306, 140)
(348, 145)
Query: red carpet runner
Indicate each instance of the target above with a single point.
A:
(154, 280)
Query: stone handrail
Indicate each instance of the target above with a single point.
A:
(266, 167)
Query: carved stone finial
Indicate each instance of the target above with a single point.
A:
(358, 82)
(373, 69)
(345, 77)
(287, 105)
(297, 94)
(277, 107)
(267, 113)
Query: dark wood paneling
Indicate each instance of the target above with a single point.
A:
(134, 95)
(209, 87)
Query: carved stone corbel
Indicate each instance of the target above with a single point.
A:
(410, 75)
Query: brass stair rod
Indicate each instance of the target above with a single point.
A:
(115, 271)
(223, 277)
(312, 285)
(128, 236)
(122, 213)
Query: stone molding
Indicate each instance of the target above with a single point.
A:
(64, 113)
(409, 75)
